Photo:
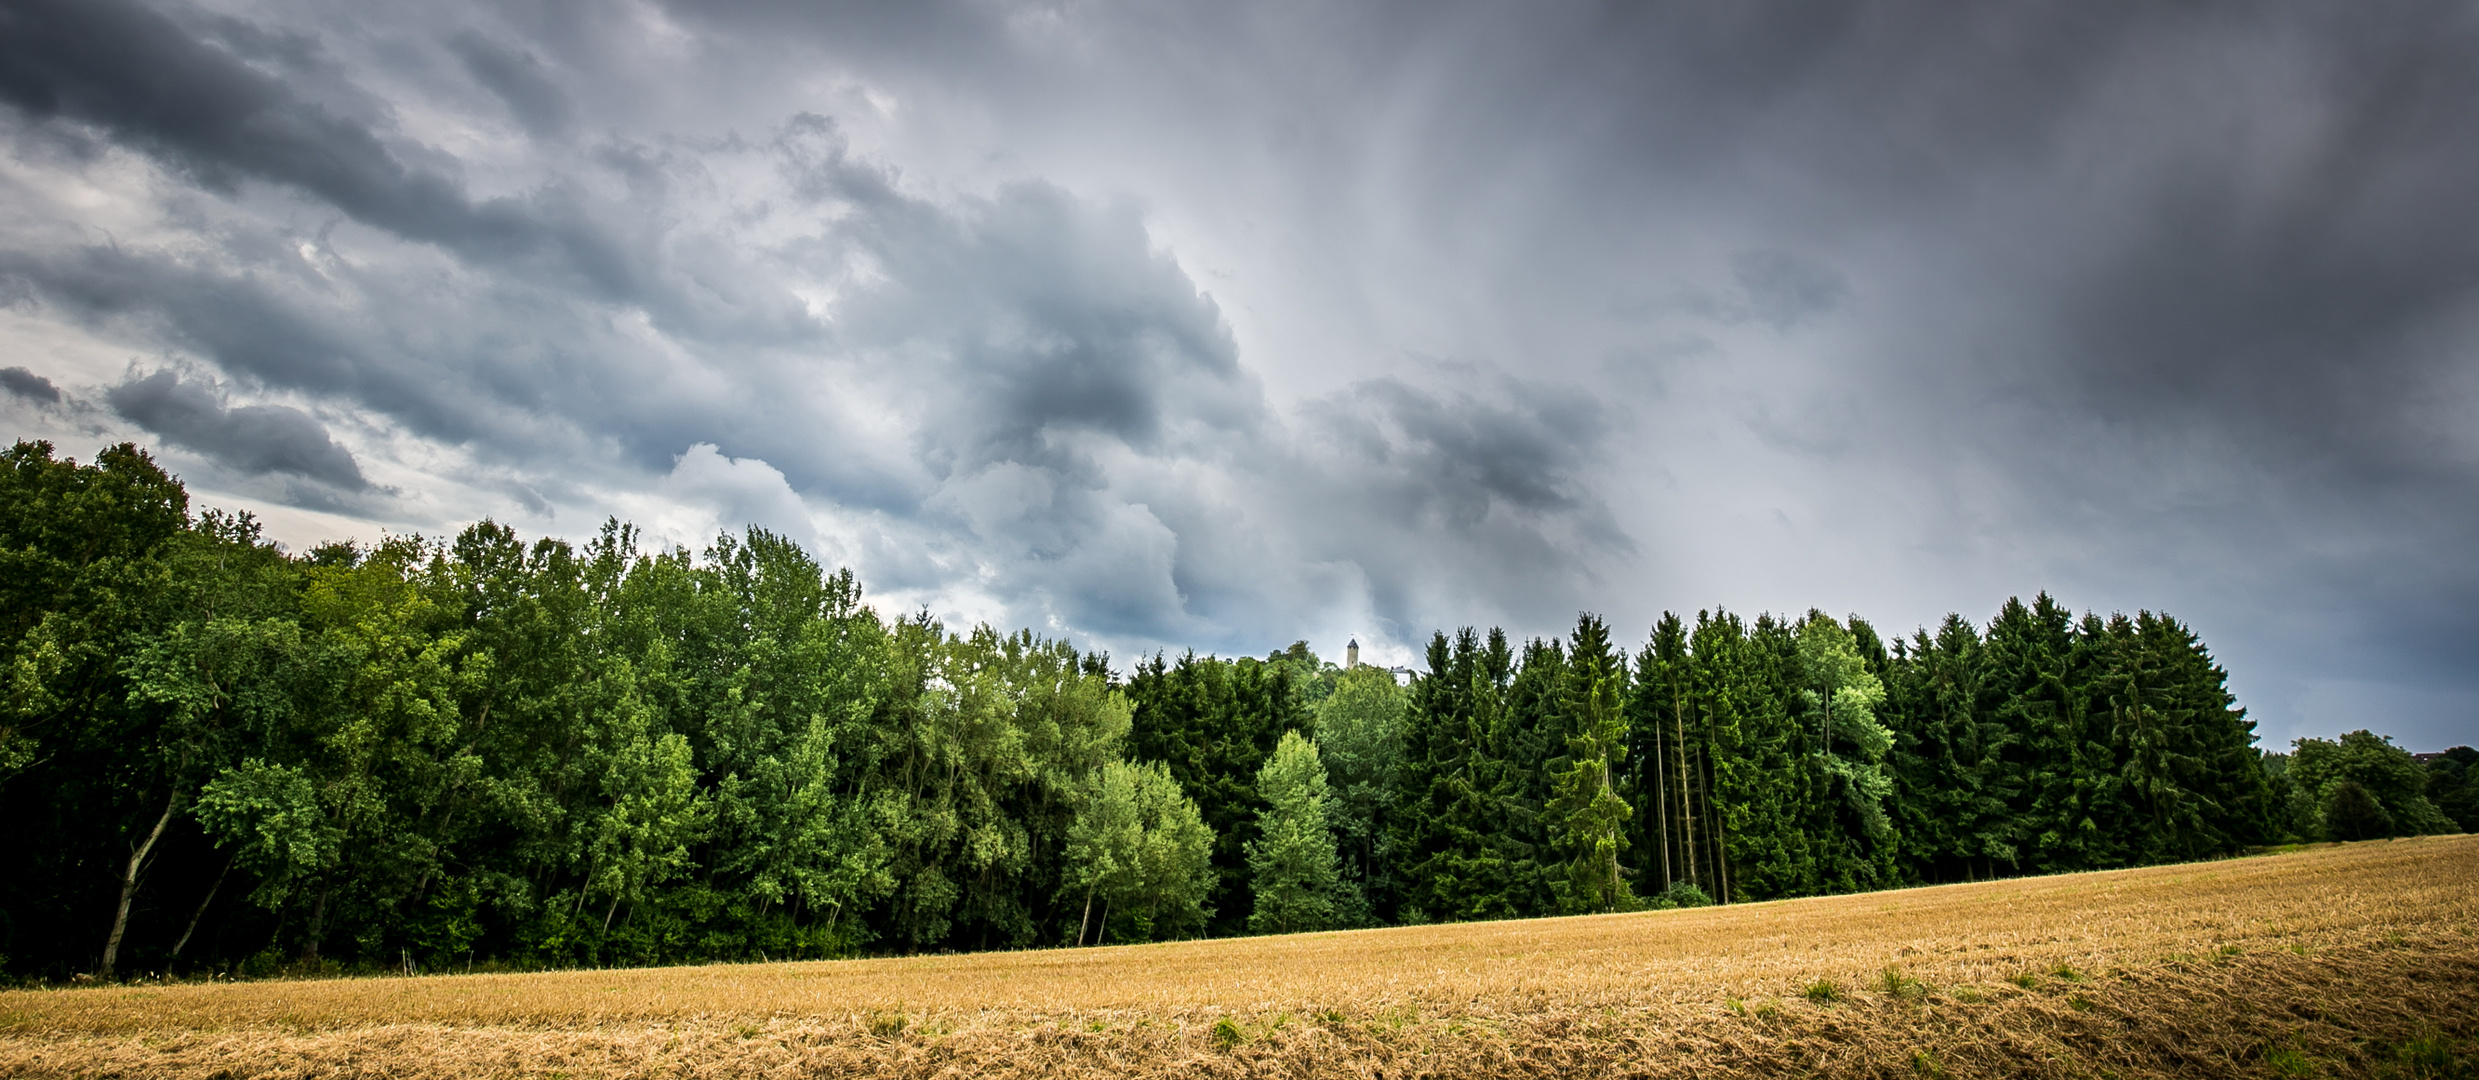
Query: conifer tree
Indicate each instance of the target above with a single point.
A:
(1587, 813)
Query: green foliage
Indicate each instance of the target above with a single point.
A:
(1360, 736)
(2453, 786)
(1140, 847)
(2364, 787)
(1682, 894)
(1292, 864)
(488, 751)
(1587, 814)
(1212, 723)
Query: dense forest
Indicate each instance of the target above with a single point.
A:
(218, 756)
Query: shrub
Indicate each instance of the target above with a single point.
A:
(1682, 894)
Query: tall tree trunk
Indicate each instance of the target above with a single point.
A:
(1687, 820)
(202, 906)
(1087, 921)
(1712, 817)
(129, 886)
(318, 923)
(1615, 883)
(1661, 799)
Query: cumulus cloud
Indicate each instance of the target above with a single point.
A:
(740, 492)
(254, 439)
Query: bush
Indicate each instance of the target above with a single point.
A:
(1682, 894)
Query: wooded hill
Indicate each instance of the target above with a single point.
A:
(216, 755)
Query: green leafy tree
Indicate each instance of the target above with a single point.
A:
(653, 811)
(1140, 848)
(1360, 737)
(1292, 862)
(1212, 723)
(1842, 695)
(2453, 786)
(2364, 787)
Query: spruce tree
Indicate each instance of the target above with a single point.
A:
(1586, 813)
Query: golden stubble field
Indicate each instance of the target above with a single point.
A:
(2358, 959)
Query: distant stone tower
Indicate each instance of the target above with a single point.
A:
(1351, 655)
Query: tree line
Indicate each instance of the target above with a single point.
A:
(484, 752)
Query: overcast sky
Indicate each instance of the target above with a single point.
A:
(1218, 325)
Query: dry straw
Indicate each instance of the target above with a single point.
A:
(2355, 960)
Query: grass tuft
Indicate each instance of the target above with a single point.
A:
(2430, 1055)
(886, 1025)
(1823, 992)
(1228, 1034)
(2288, 1061)
(1925, 1063)
(1899, 986)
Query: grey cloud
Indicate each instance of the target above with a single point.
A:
(129, 69)
(1783, 289)
(2161, 306)
(136, 73)
(1054, 317)
(520, 80)
(254, 439)
(28, 385)
(1458, 459)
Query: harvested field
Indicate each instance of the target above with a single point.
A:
(2357, 960)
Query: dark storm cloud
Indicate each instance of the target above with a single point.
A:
(28, 385)
(253, 439)
(154, 86)
(1485, 499)
(2156, 305)
(1455, 460)
(141, 77)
